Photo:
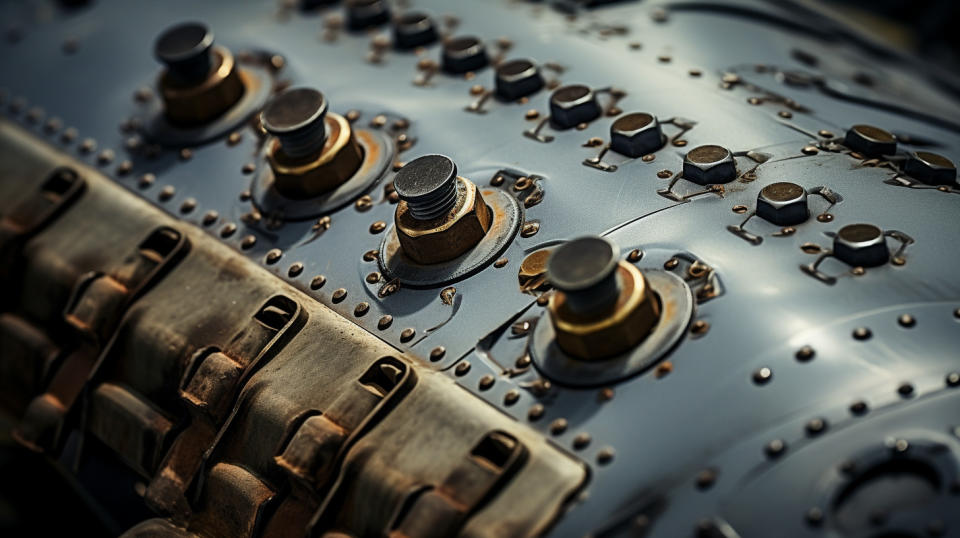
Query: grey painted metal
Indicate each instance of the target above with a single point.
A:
(731, 67)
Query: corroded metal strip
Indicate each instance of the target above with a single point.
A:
(326, 424)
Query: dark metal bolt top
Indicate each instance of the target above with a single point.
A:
(462, 54)
(518, 78)
(862, 245)
(185, 50)
(783, 203)
(572, 105)
(366, 13)
(428, 185)
(871, 141)
(585, 270)
(296, 118)
(413, 29)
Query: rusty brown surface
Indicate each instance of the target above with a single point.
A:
(247, 407)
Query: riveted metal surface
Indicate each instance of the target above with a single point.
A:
(718, 431)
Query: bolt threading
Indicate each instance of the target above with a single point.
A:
(429, 186)
(297, 118)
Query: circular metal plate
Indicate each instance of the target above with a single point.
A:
(378, 151)
(676, 306)
(258, 86)
(507, 216)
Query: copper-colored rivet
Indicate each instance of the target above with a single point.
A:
(317, 282)
(486, 382)
(438, 352)
(462, 369)
(581, 441)
(536, 412)
(511, 397)
(295, 269)
(558, 426)
(339, 295)
(378, 227)
(248, 242)
(385, 322)
(361, 309)
(407, 334)
(273, 256)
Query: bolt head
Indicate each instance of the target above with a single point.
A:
(366, 13)
(783, 204)
(518, 78)
(861, 245)
(572, 105)
(931, 168)
(709, 165)
(870, 141)
(636, 134)
(413, 29)
(462, 54)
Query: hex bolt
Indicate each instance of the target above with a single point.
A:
(186, 51)
(518, 78)
(636, 134)
(572, 105)
(783, 204)
(931, 168)
(462, 54)
(296, 118)
(870, 141)
(413, 29)
(585, 270)
(428, 185)
(861, 245)
(363, 14)
(709, 165)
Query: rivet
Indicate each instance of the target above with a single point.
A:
(699, 327)
(511, 397)
(361, 309)
(105, 157)
(695, 72)
(859, 407)
(353, 115)
(210, 217)
(378, 227)
(858, 271)
(486, 382)
(500, 263)
(816, 426)
(248, 242)
(898, 260)
(775, 448)
(862, 333)
(167, 193)
(407, 334)
(245, 195)
(581, 441)
(706, 478)
(906, 320)
(543, 300)
(146, 180)
(385, 322)
(956, 313)
(370, 255)
(679, 143)
(663, 369)
(188, 205)
(295, 269)
(953, 379)
(664, 174)
(740, 209)
(648, 158)
(234, 139)
(805, 354)
(273, 256)
(497, 180)
(124, 168)
(530, 229)
(88, 145)
(339, 295)
(186, 154)
(785, 114)
(439, 352)
(476, 89)
(373, 278)
(605, 395)
(809, 150)
(558, 426)
(814, 517)
(52, 125)
(363, 203)
(228, 229)
(536, 411)
(523, 361)
(670, 264)
(762, 376)
(378, 121)
(532, 114)
(825, 134)
(905, 390)
(825, 217)
(540, 387)
(462, 368)
(317, 282)
(634, 255)
(248, 168)
(605, 455)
